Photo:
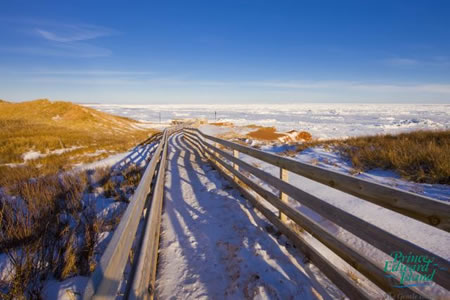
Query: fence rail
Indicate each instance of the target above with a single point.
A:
(224, 155)
(108, 274)
(427, 210)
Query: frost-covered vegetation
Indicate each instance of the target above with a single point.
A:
(56, 219)
(51, 226)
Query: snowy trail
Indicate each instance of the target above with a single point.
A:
(213, 246)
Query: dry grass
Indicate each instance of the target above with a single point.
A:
(253, 126)
(265, 133)
(47, 229)
(132, 175)
(42, 221)
(290, 153)
(44, 126)
(227, 124)
(304, 135)
(270, 134)
(419, 156)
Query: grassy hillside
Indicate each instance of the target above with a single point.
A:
(44, 126)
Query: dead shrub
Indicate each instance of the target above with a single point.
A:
(132, 176)
(102, 175)
(42, 220)
(304, 135)
(109, 189)
(290, 153)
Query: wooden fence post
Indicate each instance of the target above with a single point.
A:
(217, 146)
(235, 166)
(283, 196)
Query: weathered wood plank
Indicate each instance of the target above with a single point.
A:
(236, 154)
(143, 285)
(283, 196)
(105, 279)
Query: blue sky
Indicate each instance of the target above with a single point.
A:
(149, 52)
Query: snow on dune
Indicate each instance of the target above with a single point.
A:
(32, 154)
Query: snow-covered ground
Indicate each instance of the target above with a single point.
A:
(321, 120)
(435, 240)
(427, 237)
(215, 246)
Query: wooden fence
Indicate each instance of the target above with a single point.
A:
(105, 281)
(432, 212)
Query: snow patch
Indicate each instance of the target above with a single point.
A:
(69, 289)
(32, 154)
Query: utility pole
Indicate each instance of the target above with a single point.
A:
(159, 117)
(215, 115)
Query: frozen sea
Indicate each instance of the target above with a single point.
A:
(321, 120)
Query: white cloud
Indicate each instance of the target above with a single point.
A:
(58, 39)
(72, 33)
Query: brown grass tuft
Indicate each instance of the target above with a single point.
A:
(132, 176)
(265, 133)
(304, 135)
(254, 126)
(420, 156)
(228, 124)
(42, 220)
